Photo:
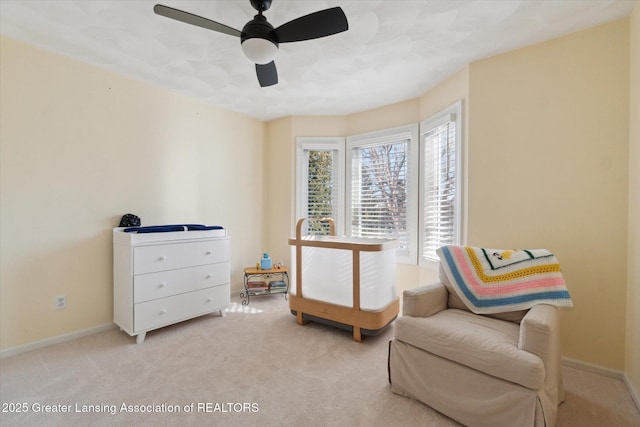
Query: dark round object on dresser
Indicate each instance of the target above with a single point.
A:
(129, 220)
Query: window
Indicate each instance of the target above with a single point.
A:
(441, 186)
(403, 183)
(381, 176)
(320, 173)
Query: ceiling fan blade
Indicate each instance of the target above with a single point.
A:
(315, 25)
(267, 74)
(196, 20)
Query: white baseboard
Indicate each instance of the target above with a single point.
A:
(12, 351)
(632, 391)
(590, 367)
(607, 372)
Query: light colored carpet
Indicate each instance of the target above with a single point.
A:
(254, 367)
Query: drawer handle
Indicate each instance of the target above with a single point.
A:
(209, 276)
(163, 311)
(162, 258)
(162, 285)
(209, 299)
(208, 252)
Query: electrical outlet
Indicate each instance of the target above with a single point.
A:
(61, 302)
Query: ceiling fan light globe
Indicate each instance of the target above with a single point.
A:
(259, 51)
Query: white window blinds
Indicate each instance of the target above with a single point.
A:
(379, 191)
(321, 188)
(320, 182)
(382, 187)
(440, 185)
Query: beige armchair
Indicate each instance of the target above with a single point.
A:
(480, 370)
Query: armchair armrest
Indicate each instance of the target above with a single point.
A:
(539, 331)
(424, 301)
(540, 335)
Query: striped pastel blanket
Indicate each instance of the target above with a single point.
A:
(496, 281)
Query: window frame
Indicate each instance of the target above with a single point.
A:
(382, 137)
(336, 144)
(454, 111)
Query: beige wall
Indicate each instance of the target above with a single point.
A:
(389, 116)
(279, 164)
(632, 366)
(548, 167)
(80, 147)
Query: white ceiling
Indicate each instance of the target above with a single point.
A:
(394, 50)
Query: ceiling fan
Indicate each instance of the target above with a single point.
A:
(260, 40)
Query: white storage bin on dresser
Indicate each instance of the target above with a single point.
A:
(164, 278)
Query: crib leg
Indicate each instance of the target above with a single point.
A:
(357, 336)
(299, 318)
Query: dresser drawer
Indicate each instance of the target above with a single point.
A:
(154, 314)
(163, 284)
(148, 259)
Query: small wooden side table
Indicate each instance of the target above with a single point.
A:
(267, 285)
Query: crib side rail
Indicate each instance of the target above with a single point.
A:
(332, 230)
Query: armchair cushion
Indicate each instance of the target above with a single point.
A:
(479, 342)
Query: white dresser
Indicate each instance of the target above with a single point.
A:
(164, 278)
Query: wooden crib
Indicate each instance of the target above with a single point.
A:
(343, 281)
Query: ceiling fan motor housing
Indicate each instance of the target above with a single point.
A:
(258, 40)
